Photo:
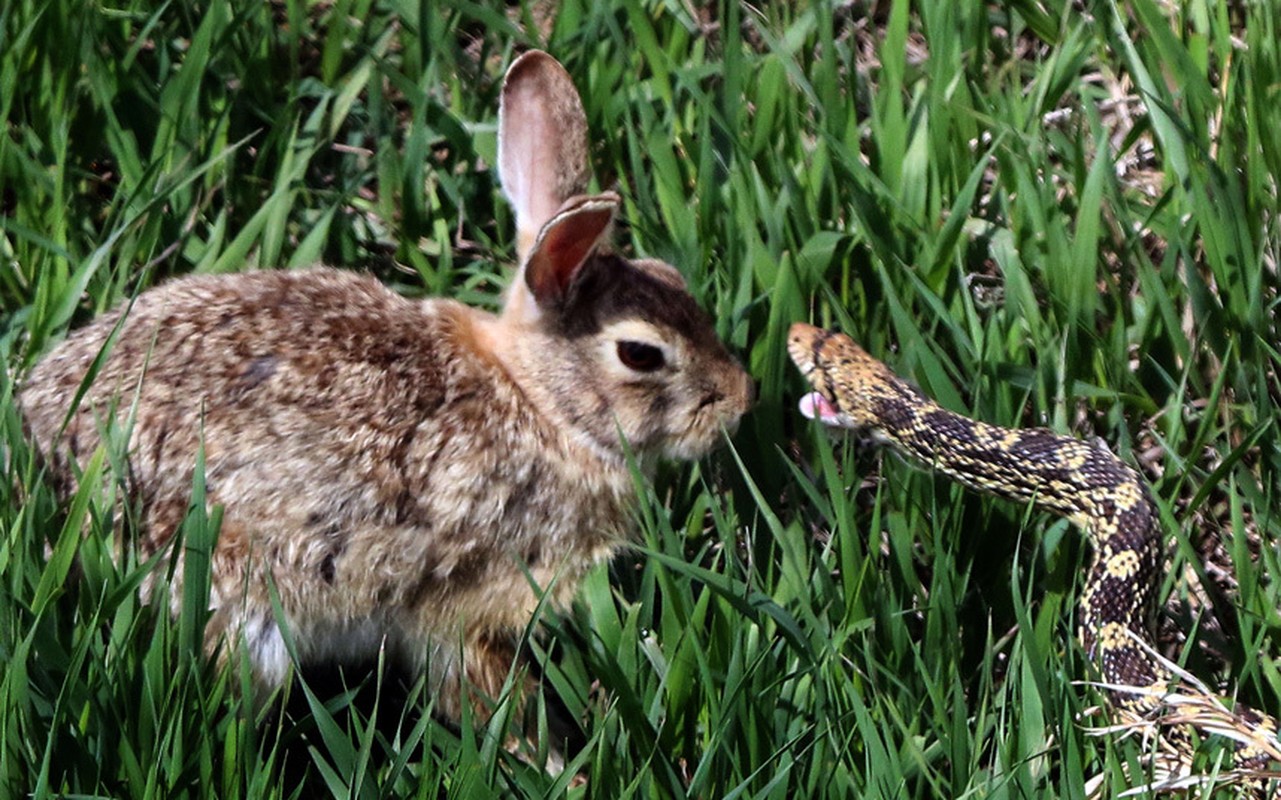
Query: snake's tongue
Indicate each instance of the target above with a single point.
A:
(816, 406)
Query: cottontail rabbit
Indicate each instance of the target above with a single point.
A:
(402, 470)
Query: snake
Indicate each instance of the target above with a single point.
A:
(1085, 483)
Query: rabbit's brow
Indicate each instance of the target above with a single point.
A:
(611, 289)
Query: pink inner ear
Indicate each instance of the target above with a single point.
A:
(563, 248)
(529, 161)
(542, 141)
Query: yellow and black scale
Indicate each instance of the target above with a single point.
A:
(1081, 481)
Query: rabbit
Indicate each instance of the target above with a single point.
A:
(408, 474)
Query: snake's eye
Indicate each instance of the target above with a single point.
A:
(640, 357)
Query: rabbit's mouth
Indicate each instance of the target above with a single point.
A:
(710, 399)
(712, 416)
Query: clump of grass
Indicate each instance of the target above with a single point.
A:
(1040, 216)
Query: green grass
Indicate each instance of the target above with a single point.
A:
(801, 617)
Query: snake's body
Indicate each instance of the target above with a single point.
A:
(1078, 480)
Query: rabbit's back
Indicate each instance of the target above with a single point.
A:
(368, 453)
(265, 367)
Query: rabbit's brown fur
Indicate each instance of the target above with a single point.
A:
(403, 470)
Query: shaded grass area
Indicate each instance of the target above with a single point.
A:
(1040, 213)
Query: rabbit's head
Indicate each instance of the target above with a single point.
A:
(613, 345)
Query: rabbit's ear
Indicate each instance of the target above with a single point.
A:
(542, 143)
(566, 242)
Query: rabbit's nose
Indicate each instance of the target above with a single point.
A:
(743, 396)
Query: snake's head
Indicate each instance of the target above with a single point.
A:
(849, 383)
(815, 353)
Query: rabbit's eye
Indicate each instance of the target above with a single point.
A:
(640, 356)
